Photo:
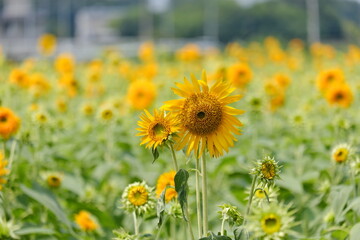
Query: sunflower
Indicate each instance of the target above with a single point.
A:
(205, 118)
(65, 63)
(41, 117)
(141, 94)
(157, 128)
(19, 77)
(339, 94)
(47, 44)
(282, 80)
(3, 170)
(271, 222)
(138, 197)
(39, 85)
(328, 77)
(341, 153)
(85, 221)
(166, 179)
(146, 52)
(53, 179)
(9, 123)
(267, 170)
(262, 194)
(239, 75)
(189, 53)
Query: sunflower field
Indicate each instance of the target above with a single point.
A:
(253, 141)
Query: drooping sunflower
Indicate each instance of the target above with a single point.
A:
(205, 118)
(339, 94)
(156, 128)
(166, 179)
(9, 123)
(3, 170)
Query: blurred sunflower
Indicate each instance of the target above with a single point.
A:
(146, 52)
(165, 180)
(328, 77)
(339, 94)
(141, 94)
(205, 118)
(239, 75)
(272, 222)
(65, 63)
(47, 44)
(85, 221)
(19, 77)
(9, 123)
(38, 84)
(157, 128)
(341, 153)
(3, 170)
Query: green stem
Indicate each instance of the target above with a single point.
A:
(222, 226)
(251, 195)
(4, 148)
(204, 195)
(174, 157)
(161, 227)
(12, 153)
(173, 229)
(189, 224)
(198, 203)
(136, 226)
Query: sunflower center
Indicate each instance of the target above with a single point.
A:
(3, 119)
(202, 114)
(260, 193)
(341, 155)
(270, 223)
(268, 170)
(339, 96)
(138, 196)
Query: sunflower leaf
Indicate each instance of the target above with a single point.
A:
(160, 208)
(241, 233)
(155, 154)
(181, 187)
(355, 232)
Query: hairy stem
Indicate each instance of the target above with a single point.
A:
(204, 195)
(198, 203)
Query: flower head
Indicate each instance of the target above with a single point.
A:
(166, 179)
(231, 214)
(267, 170)
(339, 94)
(239, 75)
(47, 44)
(263, 195)
(9, 123)
(205, 119)
(54, 179)
(341, 153)
(121, 234)
(271, 222)
(157, 128)
(65, 63)
(138, 197)
(141, 94)
(85, 221)
(328, 77)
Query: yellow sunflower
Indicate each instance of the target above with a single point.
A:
(85, 221)
(9, 123)
(156, 128)
(141, 94)
(47, 44)
(205, 118)
(239, 75)
(328, 77)
(339, 94)
(166, 179)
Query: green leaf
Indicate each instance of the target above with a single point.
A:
(155, 154)
(181, 187)
(49, 201)
(34, 230)
(355, 232)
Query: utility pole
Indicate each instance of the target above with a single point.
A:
(211, 20)
(313, 21)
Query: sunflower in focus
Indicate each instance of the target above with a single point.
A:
(9, 123)
(328, 77)
(141, 94)
(166, 179)
(3, 170)
(339, 94)
(157, 128)
(85, 221)
(205, 119)
(47, 44)
(239, 75)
